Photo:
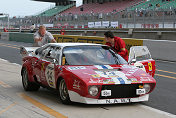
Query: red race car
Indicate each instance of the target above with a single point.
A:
(89, 73)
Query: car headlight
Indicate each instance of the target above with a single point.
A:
(147, 88)
(93, 90)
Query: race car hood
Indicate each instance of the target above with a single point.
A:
(110, 74)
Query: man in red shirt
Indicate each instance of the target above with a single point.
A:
(117, 44)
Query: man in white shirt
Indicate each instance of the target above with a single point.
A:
(41, 37)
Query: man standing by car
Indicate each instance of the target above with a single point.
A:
(41, 37)
(117, 44)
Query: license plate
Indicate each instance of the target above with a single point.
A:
(113, 101)
(106, 93)
(140, 91)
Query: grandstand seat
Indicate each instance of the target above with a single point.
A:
(101, 8)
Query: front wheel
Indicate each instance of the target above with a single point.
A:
(63, 92)
(27, 85)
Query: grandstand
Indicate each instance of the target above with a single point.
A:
(128, 14)
(155, 4)
(106, 7)
(88, 6)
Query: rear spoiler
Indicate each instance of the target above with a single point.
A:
(27, 51)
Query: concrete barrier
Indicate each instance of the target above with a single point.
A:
(21, 37)
(95, 39)
(5, 36)
(160, 49)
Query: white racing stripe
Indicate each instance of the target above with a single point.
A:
(103, 66)
(158, 111)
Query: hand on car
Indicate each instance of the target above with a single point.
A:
(40, 39)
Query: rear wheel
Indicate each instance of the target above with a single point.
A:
(63, 92)
(27, 85)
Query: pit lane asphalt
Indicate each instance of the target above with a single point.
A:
(162, 98)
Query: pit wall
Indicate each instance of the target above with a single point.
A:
(159, 49)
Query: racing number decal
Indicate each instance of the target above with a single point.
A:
(150, 66)
(50, 77)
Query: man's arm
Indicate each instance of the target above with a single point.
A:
(37, 39)
(53, 41)
(51, 38)
(122, 51)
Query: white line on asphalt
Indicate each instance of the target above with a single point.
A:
(166, 61)
(9, 62)
(16, 64)
(3, 60)
(158, 111)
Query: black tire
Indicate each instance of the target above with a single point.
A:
(28, 86)
(63, 92)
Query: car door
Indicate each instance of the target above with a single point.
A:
(41, 64)
(50, 66)
(140, 56)
(37, 63)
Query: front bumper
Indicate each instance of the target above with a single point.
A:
(75, 97)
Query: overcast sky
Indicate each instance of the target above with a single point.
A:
(22, 7)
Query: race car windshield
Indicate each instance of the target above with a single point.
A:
(91, 55)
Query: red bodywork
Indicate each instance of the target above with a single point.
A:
(80, 78)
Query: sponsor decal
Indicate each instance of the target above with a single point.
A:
(96, 76)
(43, 66)
(77, 68)
(96, 80)
(143, 74)
(150, 66)
(108, 81)
(109, 74)
(132, 71)
(76, 84)
(50, 76)
(133, 80)
(145, 79)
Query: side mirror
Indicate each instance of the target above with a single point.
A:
(54, 61)
(132, 61)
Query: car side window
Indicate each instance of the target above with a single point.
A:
(58, 53)
(45, 52)
(52, 53)
(40, 50)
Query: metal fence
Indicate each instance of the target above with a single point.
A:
(126, 19)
